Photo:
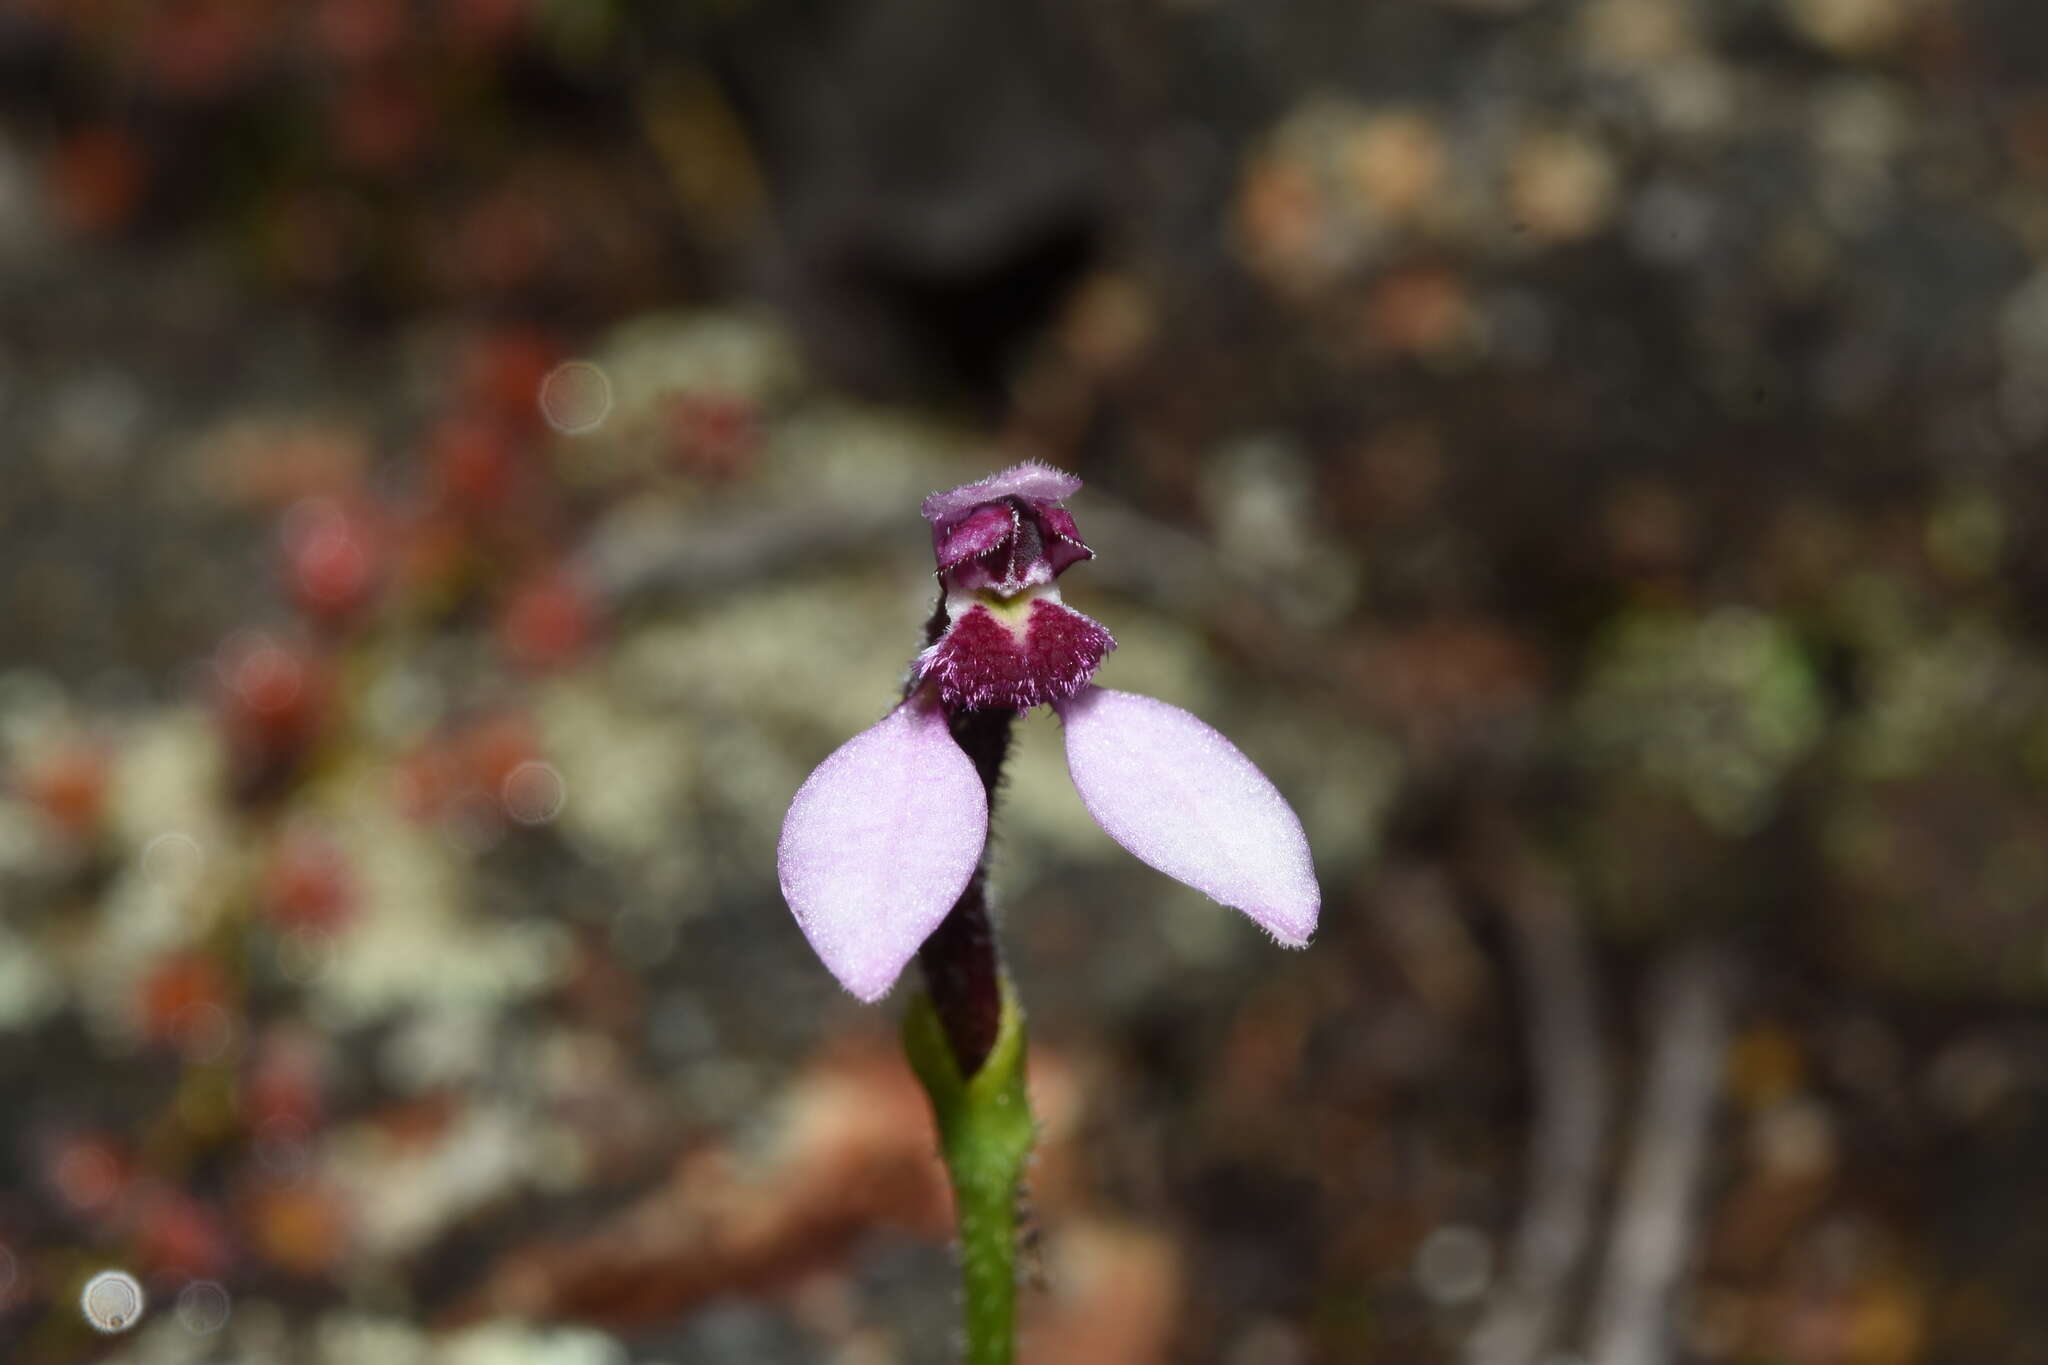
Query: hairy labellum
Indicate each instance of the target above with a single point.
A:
(1029, 651)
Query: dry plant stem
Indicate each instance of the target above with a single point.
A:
(1566, 1056)
(1654, 1214)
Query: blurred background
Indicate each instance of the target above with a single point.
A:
(460, 473)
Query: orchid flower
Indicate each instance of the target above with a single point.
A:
(887, 833)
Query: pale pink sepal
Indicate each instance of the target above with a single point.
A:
(1185, 800)
(1031, 480)
(879, 842)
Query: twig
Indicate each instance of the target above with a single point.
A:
(1653, 1220)
(1567, 1060)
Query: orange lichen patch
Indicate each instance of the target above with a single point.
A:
(333, 557)
(1424, 312)
(466, 767)
(1280, 215)
(547, 620)
(178, 1235)
(309, 884)
(419, 1123)
(184, 1000)
(504, 370)
(471, 462)
(298, 1228)
(87, 1171)
(69, 785)
(97, 178)
(497, 744)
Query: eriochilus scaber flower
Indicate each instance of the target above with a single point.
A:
(887, 834)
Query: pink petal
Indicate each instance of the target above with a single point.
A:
(1031, 481)
(975, 534)
(1183, 799)
(878, 844)
(1064, 548)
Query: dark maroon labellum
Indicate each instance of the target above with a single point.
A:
(1014, 655)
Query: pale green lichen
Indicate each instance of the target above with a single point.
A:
(1716, 708)
(1964, 690)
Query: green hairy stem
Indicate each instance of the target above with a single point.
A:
(985, 1136)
